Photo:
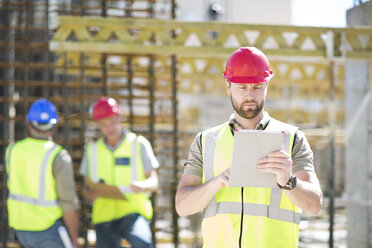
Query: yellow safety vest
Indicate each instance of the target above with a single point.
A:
(32, 200)
(119, 168)
(269, 218)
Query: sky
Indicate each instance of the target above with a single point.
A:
(320, 13)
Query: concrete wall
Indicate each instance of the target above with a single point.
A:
(238, 11)
(358, 106)
(259, 12)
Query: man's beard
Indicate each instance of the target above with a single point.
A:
(250, 113)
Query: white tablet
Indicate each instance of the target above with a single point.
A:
(249, 147)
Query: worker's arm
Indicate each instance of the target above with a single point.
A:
(307, 194)
(150, 164)
(149, 185)
(88, 193)
(67, 197)
(192, 196)
(71, 220)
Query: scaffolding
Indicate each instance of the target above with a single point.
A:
(29, 70)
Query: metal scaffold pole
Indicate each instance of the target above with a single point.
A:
(151, 122)
(331, 184)
(46, 49)
(175, 148)
(130, 91)
(26, 55)
(332, 129)
(175, 132)
(5, 124)
(104, 55)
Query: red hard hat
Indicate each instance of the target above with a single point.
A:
(248, 65)
(105, 107)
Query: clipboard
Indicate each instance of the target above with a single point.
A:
(248, 147)
(106, 191)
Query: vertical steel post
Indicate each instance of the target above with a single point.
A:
(104, 55)
(103, 8)
(63, 7)
(151, 72)
(82, 11)
(332, 129)
(175, 134)
(175, 147)
(330, 53)
(46, 49)
(104, 73)
(82, 104)
(130, 92)
(173, 10)
(128, 8)
(83, 127)
(26, 54)
(150, 9)
(65, 101)
(64, 91)
(152, 82)
(4, 222)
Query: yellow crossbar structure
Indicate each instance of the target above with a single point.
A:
(166, 37)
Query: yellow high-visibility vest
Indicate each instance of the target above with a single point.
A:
(265, 218)
(32, 200)
(119, 168)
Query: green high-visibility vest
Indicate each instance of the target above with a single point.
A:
(270, 219)
(119, 168)
(32, 200)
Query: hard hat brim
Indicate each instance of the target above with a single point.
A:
(249, 80)
(106, 115)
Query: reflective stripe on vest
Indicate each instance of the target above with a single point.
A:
(272, 211)
(93, 161)
(255, 210)
(40, 201)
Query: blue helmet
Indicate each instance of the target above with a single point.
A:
(42, 112)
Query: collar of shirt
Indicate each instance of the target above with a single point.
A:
(41, 136)
(234, 126)
(112, 149)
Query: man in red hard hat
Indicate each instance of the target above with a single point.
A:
(125, 160)
(249, 216)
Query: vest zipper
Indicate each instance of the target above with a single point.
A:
(241, 220)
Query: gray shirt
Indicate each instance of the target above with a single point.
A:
(65, 183)
(148, 158)
(302, 155)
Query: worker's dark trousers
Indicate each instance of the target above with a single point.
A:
(133, 227)
(56, 236)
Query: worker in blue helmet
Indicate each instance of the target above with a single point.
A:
(43, 207)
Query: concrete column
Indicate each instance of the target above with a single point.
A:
(358, 107)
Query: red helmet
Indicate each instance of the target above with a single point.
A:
(248, 65)
(105, 107)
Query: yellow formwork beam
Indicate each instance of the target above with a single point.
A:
(166, 37)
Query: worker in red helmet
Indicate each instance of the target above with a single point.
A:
(249, 216)
(123, 159)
